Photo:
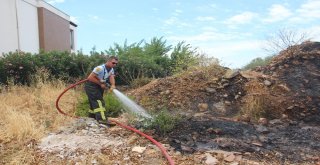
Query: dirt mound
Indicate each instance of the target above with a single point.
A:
(215, 90)
(298, 70)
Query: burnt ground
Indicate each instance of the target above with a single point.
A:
(212, 102)
(284, 141)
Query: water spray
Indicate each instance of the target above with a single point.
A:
(131, 105)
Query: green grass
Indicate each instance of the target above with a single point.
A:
(163, 121)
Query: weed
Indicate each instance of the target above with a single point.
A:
(163, 122)
(113, 105)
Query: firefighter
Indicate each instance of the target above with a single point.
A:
(95, 86)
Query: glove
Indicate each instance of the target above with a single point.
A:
(112, 87)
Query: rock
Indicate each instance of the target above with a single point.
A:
(263, 139)
(262, 129)
(229, 157)
(186, 148)
(290, 107)
(138, 149)
(227, 103)
(256, 143)
(211, 90)
(275, 122)
(263, 121)
(231, 74)
(219, 107)
(284, 116)
(267, 83)
(245, 118)
(210, 160)
(236, 97)
(203, 107)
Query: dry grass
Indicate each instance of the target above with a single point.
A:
(28, 114)
(258, 102)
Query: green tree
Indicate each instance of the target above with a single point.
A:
(182, 57)
(258, 62)
(157, 51)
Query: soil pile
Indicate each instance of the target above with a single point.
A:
(298, 70)
(216, 90)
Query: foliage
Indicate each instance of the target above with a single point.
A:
(83, 106)
(151, 60)
(164, 122)
(142, 60)
(113, 105)
(18, 66)
(182, 57)
(258, 62)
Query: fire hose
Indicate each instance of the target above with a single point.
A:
(163, 150)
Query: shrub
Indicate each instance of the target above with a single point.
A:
(113, 106)
(19, 67)
(164, 122)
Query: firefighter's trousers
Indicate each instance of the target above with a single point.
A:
(97, 104)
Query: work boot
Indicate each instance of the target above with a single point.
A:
(107, 123)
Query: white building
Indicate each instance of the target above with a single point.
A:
(34, 25)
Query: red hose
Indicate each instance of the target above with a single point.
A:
(163, 150)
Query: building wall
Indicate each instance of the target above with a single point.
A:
(31, 25)
(8, 27)
(54, 31)
(28, 25)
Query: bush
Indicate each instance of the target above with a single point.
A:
(83, 106)
(19, 67)
(113, 106)
(164, 122)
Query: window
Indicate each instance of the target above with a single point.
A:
(72, 39)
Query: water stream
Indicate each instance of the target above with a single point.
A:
(131, 105)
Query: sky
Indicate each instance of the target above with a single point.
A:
(233, 31)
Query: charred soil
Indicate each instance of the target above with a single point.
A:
(213, 102)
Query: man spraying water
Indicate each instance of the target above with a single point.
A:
(95, 87)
